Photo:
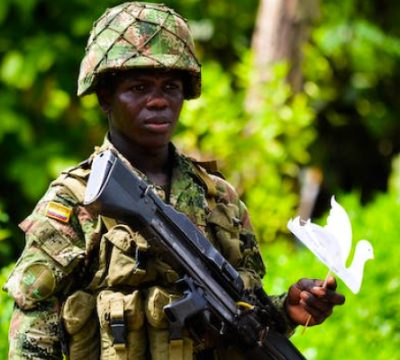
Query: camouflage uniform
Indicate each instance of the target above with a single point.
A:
(68, 245)
(60, 255)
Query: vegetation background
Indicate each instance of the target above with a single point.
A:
(343, 122)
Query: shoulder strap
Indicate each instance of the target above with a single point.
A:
(109, 222)
(203, 171)
(74, 180)
(206, 180)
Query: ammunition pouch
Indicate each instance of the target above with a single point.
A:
(122, 330)
(81, 325)
(122, 259)
(161, 345)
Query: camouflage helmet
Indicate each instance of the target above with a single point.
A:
(140, 35)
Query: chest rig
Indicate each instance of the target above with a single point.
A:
(123, 314)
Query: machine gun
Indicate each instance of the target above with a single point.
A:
(212, 288)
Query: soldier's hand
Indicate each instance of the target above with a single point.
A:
(308, 297)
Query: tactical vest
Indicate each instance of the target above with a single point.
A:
(120, 315)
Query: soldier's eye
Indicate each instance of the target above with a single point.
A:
(170, 86)
(138, 87)
(173, 85)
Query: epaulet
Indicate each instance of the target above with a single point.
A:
(75, 179)
(211, 166)
(204, 170)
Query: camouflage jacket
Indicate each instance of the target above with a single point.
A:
(62, 247)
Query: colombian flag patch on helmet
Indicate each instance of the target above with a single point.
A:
(58, 211)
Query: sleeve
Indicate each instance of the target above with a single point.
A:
(251, 266)
(34, 334)
(51, 265)
(279, 302)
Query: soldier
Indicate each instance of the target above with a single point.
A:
(88, 286)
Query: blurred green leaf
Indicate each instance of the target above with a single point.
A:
(6, 307)
(256, 151)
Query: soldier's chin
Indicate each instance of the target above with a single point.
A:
(156, 140)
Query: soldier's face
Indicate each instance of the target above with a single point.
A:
(144, 106)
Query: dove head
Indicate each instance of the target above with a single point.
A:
(366, 249)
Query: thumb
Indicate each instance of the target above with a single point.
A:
(294, 294)
(331, 283)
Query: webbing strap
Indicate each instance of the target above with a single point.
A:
(180, 349)
(118, 328)
(109, 222)
(209, 184)
(206, 180)
(176, 349)
(76, 186)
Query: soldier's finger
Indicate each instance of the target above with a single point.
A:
(317, 316)
(331, 283)
(319, 304)
(307, 284)
(328, 295)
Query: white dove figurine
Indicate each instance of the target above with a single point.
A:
(331, 244)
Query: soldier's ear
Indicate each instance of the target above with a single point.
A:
(105, 89)
(104, 98)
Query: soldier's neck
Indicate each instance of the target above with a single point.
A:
(154, 162)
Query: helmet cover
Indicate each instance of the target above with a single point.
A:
(140, 35)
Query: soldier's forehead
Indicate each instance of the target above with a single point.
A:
(148, 73)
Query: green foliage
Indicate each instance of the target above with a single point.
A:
(351, 71)
(6, 306)
(367, 326)
(5, 233)
(41, 118)
(394, 179)
(260, 153)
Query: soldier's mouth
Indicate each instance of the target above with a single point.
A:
(157, 125)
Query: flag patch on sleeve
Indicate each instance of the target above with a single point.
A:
(58, 211)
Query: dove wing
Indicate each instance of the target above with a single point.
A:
(338, 224)
(349, 279)
(323, 245)
(307, 236)
(329, 243)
